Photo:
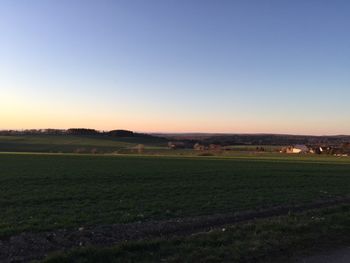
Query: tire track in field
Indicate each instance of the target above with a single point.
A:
(30, 246)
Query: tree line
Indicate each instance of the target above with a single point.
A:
(74, 131)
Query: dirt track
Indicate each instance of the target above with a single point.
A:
(29, 246)
(334, 256)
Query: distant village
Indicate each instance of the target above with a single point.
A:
(338, 145)
(343, 150)
(215, 143)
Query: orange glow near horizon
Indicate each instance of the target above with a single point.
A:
(32, 120)
(17, 111)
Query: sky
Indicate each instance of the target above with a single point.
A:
(176, 65)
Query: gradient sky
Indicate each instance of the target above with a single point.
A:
(176, 66)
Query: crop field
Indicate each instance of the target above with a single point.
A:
(52, 191)
(70, 144)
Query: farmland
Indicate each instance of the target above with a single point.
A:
(273, 240)
(71, 144)
(42, 192)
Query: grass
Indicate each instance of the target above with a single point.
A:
(41, 192)
(271, 240)
(70, 144)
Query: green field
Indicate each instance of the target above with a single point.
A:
(51, 191)
(71, 144)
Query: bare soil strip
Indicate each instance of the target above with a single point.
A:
(334, 256)
(29, 246)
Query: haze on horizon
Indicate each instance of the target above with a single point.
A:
(176, 66)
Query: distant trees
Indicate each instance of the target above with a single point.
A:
(346, 147)
(121, 133)
(33, 132)
(82, 131)
(260, 149)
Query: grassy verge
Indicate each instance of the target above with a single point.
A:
(270, 240)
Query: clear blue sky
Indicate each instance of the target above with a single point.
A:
(192, 66)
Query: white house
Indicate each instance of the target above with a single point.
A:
(299, 148)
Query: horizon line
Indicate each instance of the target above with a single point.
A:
(184, 132)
